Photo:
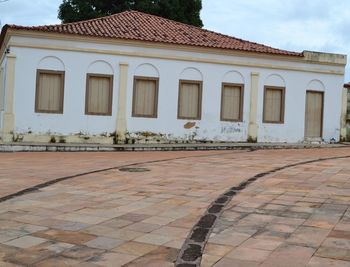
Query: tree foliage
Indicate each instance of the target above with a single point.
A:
(186, 11)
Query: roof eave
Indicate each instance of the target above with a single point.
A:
(306, 56)
(3, 35)
(285, 54)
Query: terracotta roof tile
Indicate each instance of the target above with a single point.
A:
(134, 25)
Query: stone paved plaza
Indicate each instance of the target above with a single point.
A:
(103, 215)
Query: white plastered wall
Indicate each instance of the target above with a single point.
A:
(2, 89)
(77, 64)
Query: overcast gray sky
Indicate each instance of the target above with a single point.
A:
(297, 25)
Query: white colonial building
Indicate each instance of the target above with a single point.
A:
(134, 77)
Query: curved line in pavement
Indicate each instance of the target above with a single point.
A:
(61, 179)
(191, 251)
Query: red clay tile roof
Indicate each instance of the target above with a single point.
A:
(134, 25)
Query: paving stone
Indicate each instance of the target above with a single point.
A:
(248, 254)
(217, 250)
(135, 248)
(8, 264)
(209, 260)
(170, 231)
(28, 257)
(154, 239)
(340, 234)
(104, 243)
(6, 250)
(66, 236)
(175, 213)
(161, 257)
(142, 227)
(302, 209)
(116, 223)
(337, 243)
(158, 220)
(99, 212)
(26, 242)
(256, 219)
(275, 207)
(63, 225)
(289, 256)
(231, 216)
(290, 221)
(296, 215)
(57, 261)
(187, 221)
(319, 223)
(309, 236)
(134, 217)
(340, 208)
(6, 235)
(81, 218)
(233, 239)
(87, 264)
(59, 247)
(29, 229)
(272, 235)
(113, 259)
(284, 228)
(341, 226)
(177, 243)
(334, 253)
(99, 230)
(82, 253)
(263, 244)
(125, 234)
(245, 229)
(227, 262)
(324, 262)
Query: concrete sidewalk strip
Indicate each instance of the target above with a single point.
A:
(63, 147)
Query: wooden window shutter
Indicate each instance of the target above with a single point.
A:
(145, 97)
(49, 92)
(99, 95)
(190, 95)
(231, 103)
(273, 105)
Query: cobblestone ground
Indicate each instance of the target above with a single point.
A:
(297, 216)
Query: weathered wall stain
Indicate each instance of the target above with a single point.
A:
(189, 125)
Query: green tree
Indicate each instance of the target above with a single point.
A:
(186, 11)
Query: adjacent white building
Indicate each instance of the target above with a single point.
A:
(134, 77)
